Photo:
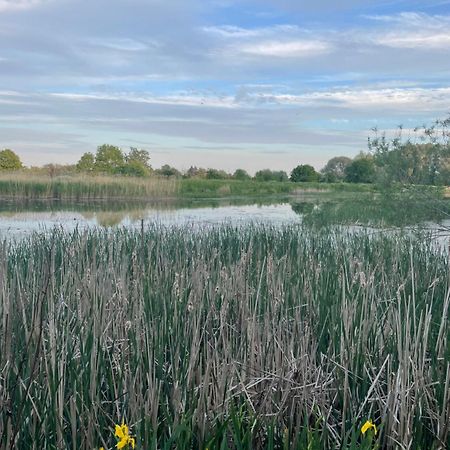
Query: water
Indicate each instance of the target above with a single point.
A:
(18, 220)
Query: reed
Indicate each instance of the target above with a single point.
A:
(224, 337)
(25, 186)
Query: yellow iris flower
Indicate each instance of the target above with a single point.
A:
(368, 426)
(123, 434)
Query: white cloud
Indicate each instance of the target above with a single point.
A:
(11, 5)
(287, 49)
(175, 100)
(412, 19)
(234, 32)
(279, 41)
(421, 99)
(413, 31)
(401, 99)
(419, 40)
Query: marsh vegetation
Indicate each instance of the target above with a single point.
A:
(256, 337)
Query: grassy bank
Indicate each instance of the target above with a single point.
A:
(224, 338)
(78, 188)
(233, 188)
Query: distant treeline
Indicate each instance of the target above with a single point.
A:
(420, 157)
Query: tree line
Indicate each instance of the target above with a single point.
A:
(420, 156)
(111, 160)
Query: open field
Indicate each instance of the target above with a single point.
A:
(241, 338)
(84, 187)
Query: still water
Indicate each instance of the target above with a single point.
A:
(17, 220)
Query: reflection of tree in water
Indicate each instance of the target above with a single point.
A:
(374, 211)
(303, 208)
(110, 219)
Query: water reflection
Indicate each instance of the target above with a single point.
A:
(21, 218)
(18, 219)
(371, 210)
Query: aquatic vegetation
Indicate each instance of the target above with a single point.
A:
(84, 187)
(224, 337)
(30, 186)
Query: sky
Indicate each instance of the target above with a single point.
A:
(252, 84)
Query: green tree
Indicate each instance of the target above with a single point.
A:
(241, 174)
(133, 168)
(334, 170)
(109, 159)
(86, 163)
(137, 163)
(214, 174)
(140, 156)
(9, 160)
(271, 175)
(195, 172)
(360, 171)
(304, 173)
(168, 171)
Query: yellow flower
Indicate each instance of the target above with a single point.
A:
(367, 426)
(123, 434)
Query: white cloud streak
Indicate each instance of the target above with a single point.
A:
(402, 99)
(413, 31)
(288, 49)
(13, 5)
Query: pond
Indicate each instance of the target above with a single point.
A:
(19, 219)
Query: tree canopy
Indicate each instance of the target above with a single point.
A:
(360, 171)
(241, 174)
(168, 171)
(304, 173)
(110, 159)
(334, 170)
(271, 175)
(86, 163)
(9, 160)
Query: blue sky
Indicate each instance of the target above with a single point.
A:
(218, 83)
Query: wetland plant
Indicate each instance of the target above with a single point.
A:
(224, 337)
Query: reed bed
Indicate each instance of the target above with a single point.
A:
(82, 188)
(224, 338)
(77, 187)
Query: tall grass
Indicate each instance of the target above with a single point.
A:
(29, 186)
(24, 186)
(244, 338)
(232, 188)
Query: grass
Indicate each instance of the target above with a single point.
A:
(234, 188)
(84, 187)
(24, 186)
(224, 337)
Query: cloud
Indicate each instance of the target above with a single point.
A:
(182, 73)
(12, 5)
(289, 49)
(278, 41)
(400, 99)
(182, 100)
(426, 41)
(413, 31)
